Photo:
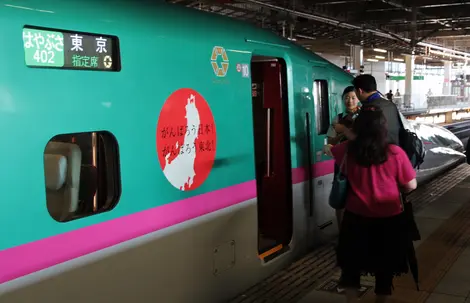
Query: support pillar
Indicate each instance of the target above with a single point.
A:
(410, 66)
(357, 57)
(449, 117)
(446, 89)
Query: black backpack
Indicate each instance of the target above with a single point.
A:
(411, 144)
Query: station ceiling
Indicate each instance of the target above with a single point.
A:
(331, 26)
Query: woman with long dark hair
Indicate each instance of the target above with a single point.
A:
(373, 237)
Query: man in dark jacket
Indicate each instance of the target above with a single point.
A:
(366, 91)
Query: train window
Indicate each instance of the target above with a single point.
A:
(322, 109)
(82, 175)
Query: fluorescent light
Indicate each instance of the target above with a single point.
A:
(379, 50)
(380, 57)
(372, 60)
(398, 59)
(306, 37)
(447, 54)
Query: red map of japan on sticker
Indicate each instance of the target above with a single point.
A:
(186, 139)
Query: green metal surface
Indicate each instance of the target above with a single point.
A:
(163, 48)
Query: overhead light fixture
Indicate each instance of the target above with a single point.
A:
(379, 50)
(443, 48)
(306, 37)
(372, 60)
(399, 59)
(380, 57)
(447, 55)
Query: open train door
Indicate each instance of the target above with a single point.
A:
(272, 156)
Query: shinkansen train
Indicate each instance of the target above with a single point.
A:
(152, 153)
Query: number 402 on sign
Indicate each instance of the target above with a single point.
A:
(43, 48)
(44, 57)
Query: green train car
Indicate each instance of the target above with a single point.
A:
(152, 153)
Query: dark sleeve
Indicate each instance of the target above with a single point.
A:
(393, 124)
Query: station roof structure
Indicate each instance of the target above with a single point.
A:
(434, 30)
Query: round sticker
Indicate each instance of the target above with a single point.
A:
(186, 139)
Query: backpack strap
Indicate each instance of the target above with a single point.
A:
(400, 124)
(399, 117)
(402, 128)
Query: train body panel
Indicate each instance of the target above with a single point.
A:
(176, 264)
(109, 101)
(112, 100)
(163, 240)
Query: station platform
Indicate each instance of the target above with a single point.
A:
(442, 210)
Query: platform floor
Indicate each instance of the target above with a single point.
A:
(442, 210)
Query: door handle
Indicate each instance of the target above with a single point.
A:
(309, 164)
(268, 142)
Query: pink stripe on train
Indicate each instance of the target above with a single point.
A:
(319, 169)
(31, 257)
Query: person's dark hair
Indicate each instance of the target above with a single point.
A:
(347, 90)
(371, 145)
(365, 82)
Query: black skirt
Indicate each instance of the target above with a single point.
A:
(371, 245)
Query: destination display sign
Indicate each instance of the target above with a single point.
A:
(70, 50)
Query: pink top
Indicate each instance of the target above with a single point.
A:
(374, 190)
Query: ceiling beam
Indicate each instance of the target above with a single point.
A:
(404, 27)
(387, 15)
(339, 2)
(362, 32)
(428, 20)
(451, 33)
(439, 3)
(340, 46)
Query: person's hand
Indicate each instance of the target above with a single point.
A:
(327, 150)
(339, 128)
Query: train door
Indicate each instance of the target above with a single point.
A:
(272, 156)
(322, 213)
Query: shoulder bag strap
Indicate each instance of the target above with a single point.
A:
(399, 117)
(344, 163)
